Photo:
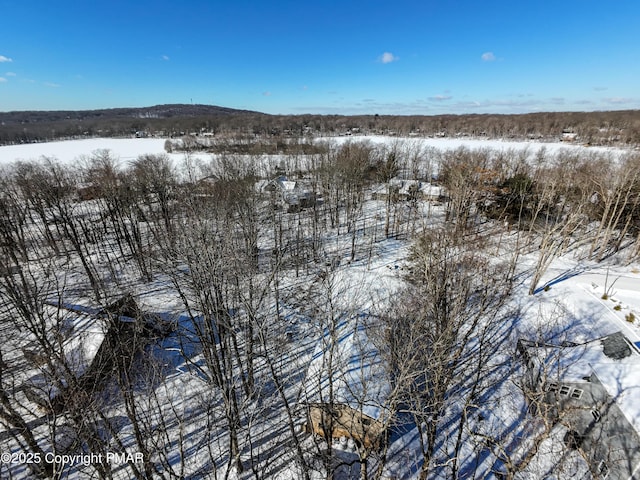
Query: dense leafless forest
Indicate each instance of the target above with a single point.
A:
(172, 311)
(596, 128)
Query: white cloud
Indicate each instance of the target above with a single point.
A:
(5, 59)
(388, 57)
(2, 79)
(461, 104)
(440, 98)
(51, 84)
(10, 74)
(618, 100)
(488, 57)
(165, 57)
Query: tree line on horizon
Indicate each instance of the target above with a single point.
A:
(595, 128)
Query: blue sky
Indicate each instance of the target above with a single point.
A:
(330, 57)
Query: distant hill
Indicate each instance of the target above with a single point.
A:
(157, 111)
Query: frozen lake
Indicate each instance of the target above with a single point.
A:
(127, 149)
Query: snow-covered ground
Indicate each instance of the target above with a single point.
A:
(584, 300)
(579, 288)
(577, 277)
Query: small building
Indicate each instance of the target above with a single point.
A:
(347, 387)
(294, 195)
(592, 390)
(408, 190)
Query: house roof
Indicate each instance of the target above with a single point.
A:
(281, 182)
(287, 185)
(83, 340)
(80, 334)
(614, 361)
(82, 330)
(292, 192)
(346, 368)
(407, 187)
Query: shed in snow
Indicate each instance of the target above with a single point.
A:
(347, 387)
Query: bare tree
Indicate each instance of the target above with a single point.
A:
(154, 181)
(443, 324)
(616, 195)
(556, 218)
